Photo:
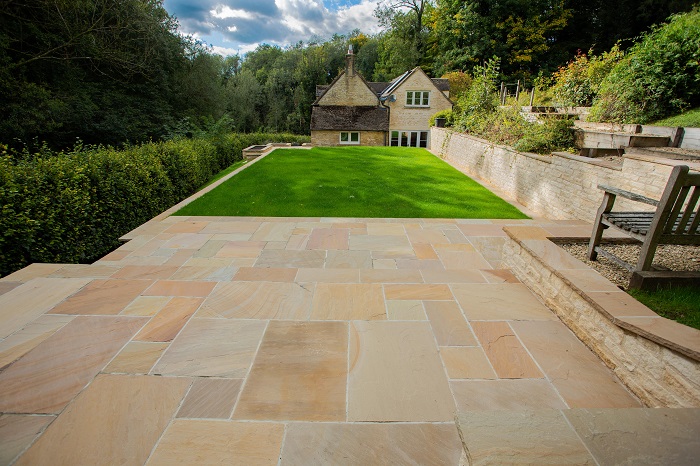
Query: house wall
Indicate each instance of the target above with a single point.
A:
(332, 138)
(561, 186)
(416, 118)
(351, 91)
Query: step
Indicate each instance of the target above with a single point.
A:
(604, 436)
(672, 153)
(586, 139)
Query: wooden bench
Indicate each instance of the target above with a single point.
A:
(675, 220)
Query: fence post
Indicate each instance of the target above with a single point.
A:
(532, 97)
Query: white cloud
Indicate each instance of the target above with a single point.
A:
(223, 12)
(224, 51)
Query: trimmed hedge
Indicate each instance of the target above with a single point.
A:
(71, 207)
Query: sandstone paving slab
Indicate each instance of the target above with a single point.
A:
(481, 230)
(25, 303)
(521, 437)
(578, 374)
(505, 394)
(17, 432)
(453, 276)
(448, 324)
(8, 286)
(259, 300)
(446, 248)
(500, 301)
(466, 362)
(299, 373)
(490, 248)
(273, 231)
(116, 420)
(676, 336)
(463, 260)
(394, 253)
(165, 325)
(328, 275)
(424, 251)
(205, 273)
(296, 259)
(384, 264)
(620, 304)
(137, 357)
(588, 280)
(365, 444)
(210, 442)
(49, 376)
(426, 236)
(135, 272)
(187, 227)
(102, 297)
(241, 249)
(507, 356)
(146, 305)
(212, 348)
(210, 248)
(267, 274)
(639, 436)
(329, 238)
(396, 374)
(197, 289)
(187, 241)
(381, 229)
(231, 227)
(32, 271)
(419, 264)
(210, 398)
(85, 271)
(115, 256)
(455, 236)
(429, 292)
(211, 262)
(550, 253)
(21, 342)
(295, 243)
(405, 310)
(378, 243)
(390, 276)
(352, 301)
(499, 276)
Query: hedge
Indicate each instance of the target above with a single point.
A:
(71, 207)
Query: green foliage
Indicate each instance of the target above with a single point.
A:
(548, 136)
(689, 119)
(72, 206)
(578, 83)
(660, 75)
(448, 115)
(481, 99)
(459, 83)
(353, 182)
(679, 304)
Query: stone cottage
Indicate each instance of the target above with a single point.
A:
(353, 111)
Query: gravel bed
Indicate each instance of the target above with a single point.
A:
(667, 257)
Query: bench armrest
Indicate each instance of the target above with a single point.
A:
(628, 195)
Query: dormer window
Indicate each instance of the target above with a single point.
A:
(418, 98)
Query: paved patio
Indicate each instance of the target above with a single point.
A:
(297, 341)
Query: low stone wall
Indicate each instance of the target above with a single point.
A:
(561, 186)
(657, 359)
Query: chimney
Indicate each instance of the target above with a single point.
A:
(350, 62)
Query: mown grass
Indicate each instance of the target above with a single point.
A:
(689, 119)
(225, 172)
(679, 304)
(352, 182)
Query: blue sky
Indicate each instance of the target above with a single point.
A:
(238, 26)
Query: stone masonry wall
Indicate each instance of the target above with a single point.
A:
(349, 90)
(659, 376)
(332, 138)
(562, 186)
(403, 117)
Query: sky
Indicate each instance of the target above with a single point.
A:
(239, 26)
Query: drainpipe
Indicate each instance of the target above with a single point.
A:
(390, 98)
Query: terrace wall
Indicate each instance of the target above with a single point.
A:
(561, 186)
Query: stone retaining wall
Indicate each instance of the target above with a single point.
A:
(657, 362)
(561, 186)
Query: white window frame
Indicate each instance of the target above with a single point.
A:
(406, 137)
(349, 140)
(423, 98)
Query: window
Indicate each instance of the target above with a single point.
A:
(409, 138)
(418, 98)
(349, 138)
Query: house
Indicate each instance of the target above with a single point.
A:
(353, 111)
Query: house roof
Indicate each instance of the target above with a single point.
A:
(382, 88)
(441, 84)
(337, 117)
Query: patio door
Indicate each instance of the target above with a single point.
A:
(409, 138)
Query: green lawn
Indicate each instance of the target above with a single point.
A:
(396, 182)
(679, 304)
(688, 119)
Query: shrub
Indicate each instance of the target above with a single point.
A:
(660, 76)
(448, 115)
(73, 206)
(481, 99)
(577, 83)
(547, 136)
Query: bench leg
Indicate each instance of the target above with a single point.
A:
(598, 226)
(646, 256)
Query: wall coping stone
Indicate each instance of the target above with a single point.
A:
(667, 333)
